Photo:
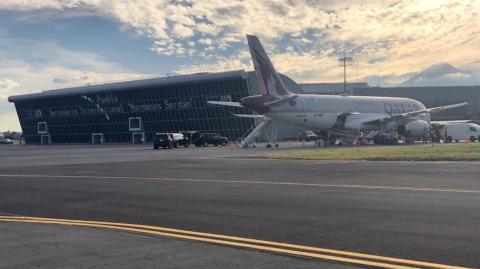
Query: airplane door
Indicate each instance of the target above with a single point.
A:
(302, 108)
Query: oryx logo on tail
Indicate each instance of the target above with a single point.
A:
(268, 80)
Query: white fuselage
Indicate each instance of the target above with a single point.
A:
(321, 112)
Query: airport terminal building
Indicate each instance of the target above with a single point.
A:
(133, 111)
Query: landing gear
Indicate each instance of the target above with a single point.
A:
(333, 140)
(329, 138)
(270, 145)
(409, 140)
(384, 140)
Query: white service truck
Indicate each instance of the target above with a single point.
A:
(457, 131)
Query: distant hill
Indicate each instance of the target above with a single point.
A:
(442, 74)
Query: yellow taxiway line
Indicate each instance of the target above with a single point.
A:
(247, 243)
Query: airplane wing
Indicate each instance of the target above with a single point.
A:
(221, 103)
(443, 123)
(407, 115)
(432, 110)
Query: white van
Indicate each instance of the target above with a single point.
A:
(456, 131)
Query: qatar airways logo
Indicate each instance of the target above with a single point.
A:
(397, 108)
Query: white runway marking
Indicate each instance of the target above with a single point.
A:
(343, 186)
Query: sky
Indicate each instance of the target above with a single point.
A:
(52, 44)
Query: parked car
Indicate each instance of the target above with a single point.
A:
(460, 131)
(206, 139)
(170, 140)
(6, 141)
(189, 137)
(307, 136)
(179, 140)
(164, 140)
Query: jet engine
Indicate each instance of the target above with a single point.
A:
(416, 129)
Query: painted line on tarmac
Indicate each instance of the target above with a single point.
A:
(342, 186)
(247, 243)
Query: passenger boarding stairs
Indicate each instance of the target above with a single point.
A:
(253, 132)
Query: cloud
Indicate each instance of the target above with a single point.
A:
(182, 31)
(388, 39)
(7, 86)
(32, 66)
(458, 75)
(9, 122)
(172, 22)
(205, 41)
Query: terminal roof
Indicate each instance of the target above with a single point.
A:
(133, 84)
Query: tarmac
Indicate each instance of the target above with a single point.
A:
(420, 211)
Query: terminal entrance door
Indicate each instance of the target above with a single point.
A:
(45, 139)
(98, 138)
(138, 138)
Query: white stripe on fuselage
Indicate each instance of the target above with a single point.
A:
(320, 112)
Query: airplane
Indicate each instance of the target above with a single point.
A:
(330, 114)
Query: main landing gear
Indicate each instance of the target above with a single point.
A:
(329, 137)
(270, 145)
(384, 140)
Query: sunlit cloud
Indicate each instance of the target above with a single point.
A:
(396, 35)
(388, 39)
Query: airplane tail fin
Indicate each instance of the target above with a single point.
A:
(268, 80)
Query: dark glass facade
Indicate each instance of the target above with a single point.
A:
(115, 112)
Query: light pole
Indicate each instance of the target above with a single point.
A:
(344, 62)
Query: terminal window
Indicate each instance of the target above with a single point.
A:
(42, 127)
(135, 123)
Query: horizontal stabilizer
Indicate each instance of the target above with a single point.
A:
(282, 100)
(252, 116)
(221, 103)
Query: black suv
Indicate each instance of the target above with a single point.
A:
(206, 139)
(189, 137)
(307, 136)
(163, 140)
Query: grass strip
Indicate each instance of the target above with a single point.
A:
(424, 152)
